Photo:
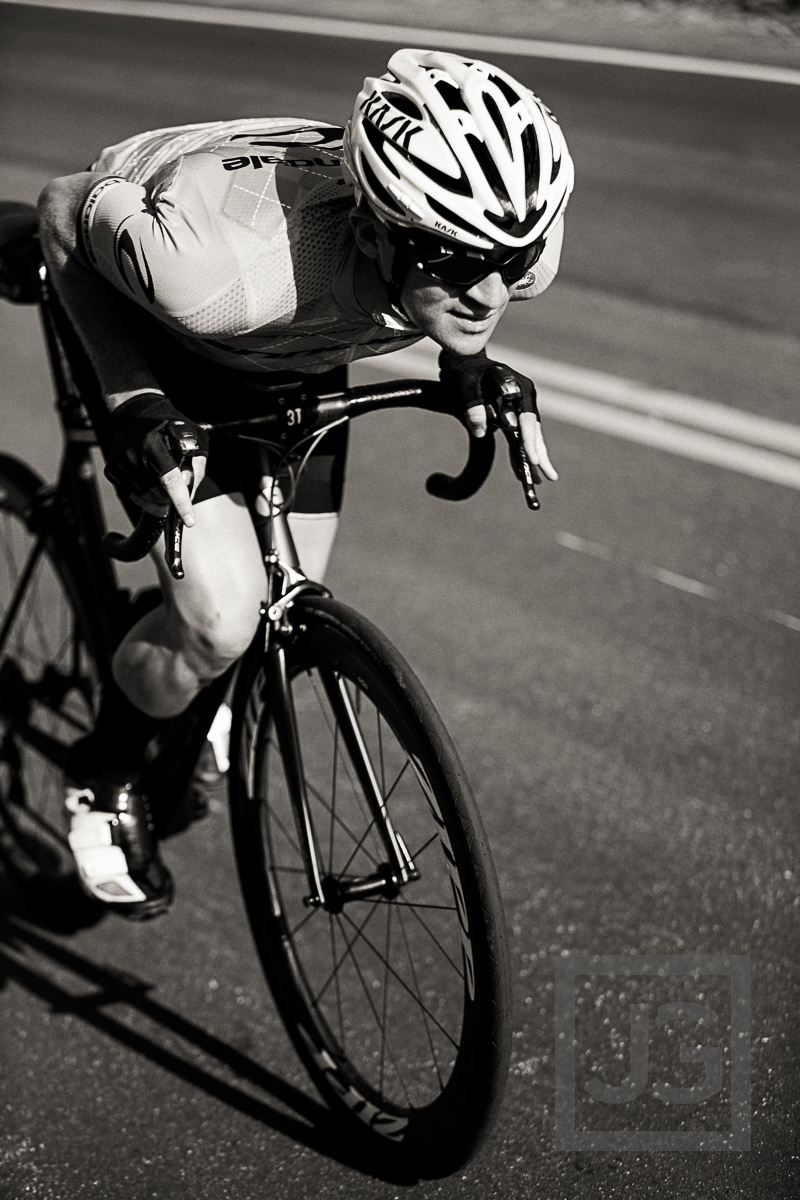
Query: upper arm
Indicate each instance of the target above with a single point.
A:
(60, 206)
(163, 247)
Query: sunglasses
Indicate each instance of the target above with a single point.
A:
(465, 268)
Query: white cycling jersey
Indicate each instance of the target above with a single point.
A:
(235, 235)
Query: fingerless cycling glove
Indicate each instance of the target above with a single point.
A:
(145, 443)
(465, 376)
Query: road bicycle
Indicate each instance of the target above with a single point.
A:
(366, 874)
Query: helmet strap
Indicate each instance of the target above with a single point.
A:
(401, 265)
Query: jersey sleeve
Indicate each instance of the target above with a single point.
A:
(544, 272)
(162, 246)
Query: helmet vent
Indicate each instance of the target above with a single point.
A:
(489, 168)
(460, 186)
(530, 158)
(378, 141)
(509, 94)
(451, 95)
(494, 113)
(509, 223)
(404, 103)
(379, 191)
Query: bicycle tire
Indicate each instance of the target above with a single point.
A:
(48, 684)
(427, 1098)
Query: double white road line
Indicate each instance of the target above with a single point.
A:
(409, 35)
(684, 425)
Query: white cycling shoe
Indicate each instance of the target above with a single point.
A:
(111, 837)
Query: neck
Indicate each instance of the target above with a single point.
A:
(375, 293)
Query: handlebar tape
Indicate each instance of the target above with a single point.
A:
(472, 478)
(138, 543)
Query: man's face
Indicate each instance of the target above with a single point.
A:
(458, 318)
(461, 319)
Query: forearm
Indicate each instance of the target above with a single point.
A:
(106, 321)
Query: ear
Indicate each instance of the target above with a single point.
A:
(368, 231)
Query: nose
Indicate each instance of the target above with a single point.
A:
(490, 292)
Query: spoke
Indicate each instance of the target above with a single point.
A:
(433, 838)
(337, 989)
(350, 833)
(416, 985)
(380, 756)
(384, 1037)
(36, 615)
(270, 811)
(403, 770)
(333, 798)
(59, 654)
(332, 728)
(357, 847)
(304, 921)
(412, 907)
(269, 808)
(337, 965)
(385, 995)
(401, 981)
(60, 714)
(418, 904)
(69, 719)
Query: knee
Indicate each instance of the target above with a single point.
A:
(217, 636)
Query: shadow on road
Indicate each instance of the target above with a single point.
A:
(22, 930)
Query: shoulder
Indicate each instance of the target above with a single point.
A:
(141, 157)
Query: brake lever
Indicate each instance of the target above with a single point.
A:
(500, 414)
(173, 530)
(173, 543)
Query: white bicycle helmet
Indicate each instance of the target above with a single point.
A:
(457, 147)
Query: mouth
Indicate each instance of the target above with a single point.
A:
(475, 321)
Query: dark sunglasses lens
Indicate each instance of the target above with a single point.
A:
(463, 270)
(521, 263)
(458, 270)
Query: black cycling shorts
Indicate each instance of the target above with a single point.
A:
(207, 391)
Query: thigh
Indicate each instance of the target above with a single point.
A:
(224, 581)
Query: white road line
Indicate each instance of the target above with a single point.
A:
(441, 39)
(682, 582)
(674, 439)
(741, 448)
(671, 406)
(783, 618)
(572, 542)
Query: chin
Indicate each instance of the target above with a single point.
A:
(461, 342)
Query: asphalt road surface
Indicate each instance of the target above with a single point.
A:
(619, 671)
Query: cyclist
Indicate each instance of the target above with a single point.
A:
(206, 266)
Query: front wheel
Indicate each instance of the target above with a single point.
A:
(397, 1002)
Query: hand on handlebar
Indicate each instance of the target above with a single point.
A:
(153, 449)
(180, 486)
(491, 393)
(532, 437)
